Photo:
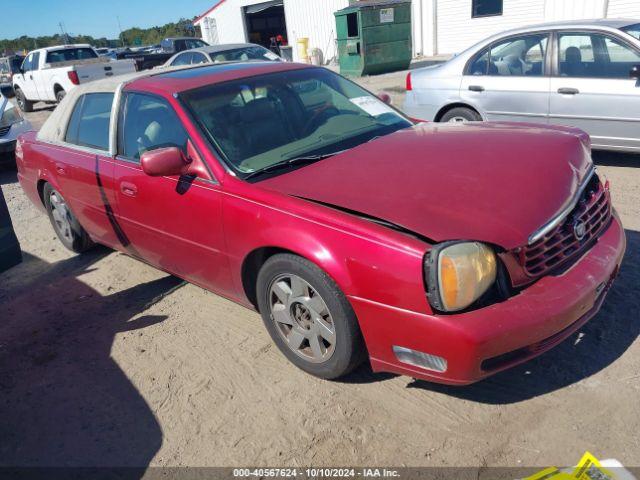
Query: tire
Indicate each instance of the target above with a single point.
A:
(64, 222)
(314, 310)
(461, 115)
(24, 104)
(60, 94)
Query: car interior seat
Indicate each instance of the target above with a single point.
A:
(264, 128)
(573, 65)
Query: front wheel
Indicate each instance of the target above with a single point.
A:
(308, 317)
(64, 222)
(24, 104)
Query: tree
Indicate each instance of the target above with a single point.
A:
(132, 36)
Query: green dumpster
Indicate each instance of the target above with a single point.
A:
(374, 36)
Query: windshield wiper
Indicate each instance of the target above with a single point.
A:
(291, 162)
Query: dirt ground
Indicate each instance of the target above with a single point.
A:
(107, 361)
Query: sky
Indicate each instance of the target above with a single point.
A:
(92, 17)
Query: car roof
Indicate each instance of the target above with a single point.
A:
(182, 38)
(561, 25)
(168, 81)
(223, 47)
(175, 80)
(178, 79)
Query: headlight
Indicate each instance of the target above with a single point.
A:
(458, 274)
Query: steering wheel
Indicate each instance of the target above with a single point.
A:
(316, 115)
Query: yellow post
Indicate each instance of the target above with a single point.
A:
(303, 46)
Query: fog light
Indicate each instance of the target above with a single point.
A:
(420, 359)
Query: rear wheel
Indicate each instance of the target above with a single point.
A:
(308, 317)
(461, 115)
(24, 104)
(60, 94)
(64, 222)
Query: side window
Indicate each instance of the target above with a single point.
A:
(183, 59)
(519, 56)
(577, 55)
(621, 58)
(479, 65)
(198, 58)
(89, 123)
(35, 61)
(146, 123)
(26, 65)
(593, 55)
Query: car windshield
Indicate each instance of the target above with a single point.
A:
(243, 54)
(71, 54)
(633, 30)
(261, 121)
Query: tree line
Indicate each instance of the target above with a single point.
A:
(131, 37)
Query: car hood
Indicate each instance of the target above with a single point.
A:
(492, 182)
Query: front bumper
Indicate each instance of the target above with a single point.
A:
(479, 343)
(7, 146)
(8, 141)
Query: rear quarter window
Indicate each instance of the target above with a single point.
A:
(89, 123)
(71, 54)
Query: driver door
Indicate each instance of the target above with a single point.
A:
(174, 223)
(30, 85)
(509, 81)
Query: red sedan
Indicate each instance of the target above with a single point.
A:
(445, 252)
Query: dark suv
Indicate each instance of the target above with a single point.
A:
(9, 66)
(178, 44)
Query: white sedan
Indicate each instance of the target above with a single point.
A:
(235, 52)
(583, 74)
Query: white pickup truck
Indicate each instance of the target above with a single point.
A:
(47, 74)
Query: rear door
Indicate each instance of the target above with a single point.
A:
(509, 80)
(83, 167)
(592, 89)
(174, 223)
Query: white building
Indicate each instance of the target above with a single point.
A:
(440, 27)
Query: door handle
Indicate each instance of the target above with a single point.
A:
(128, 189)
(60, 169)
(476, 88)
(568, 91)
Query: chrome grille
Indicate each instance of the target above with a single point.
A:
(4, 130)
(565, 241)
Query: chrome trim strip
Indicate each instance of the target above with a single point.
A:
(556, 220)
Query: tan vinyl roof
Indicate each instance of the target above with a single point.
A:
(54, 128)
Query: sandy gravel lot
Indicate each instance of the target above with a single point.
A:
(107, 361)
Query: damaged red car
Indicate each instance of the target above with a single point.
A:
(443, 252)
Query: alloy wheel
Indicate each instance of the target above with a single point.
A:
(302, 318)
(61, 216)
(458, 120)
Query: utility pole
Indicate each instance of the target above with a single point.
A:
(120, 27)
(65, 37)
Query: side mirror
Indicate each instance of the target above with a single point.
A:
(635, 72)
(164, 162)
(385, 97)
